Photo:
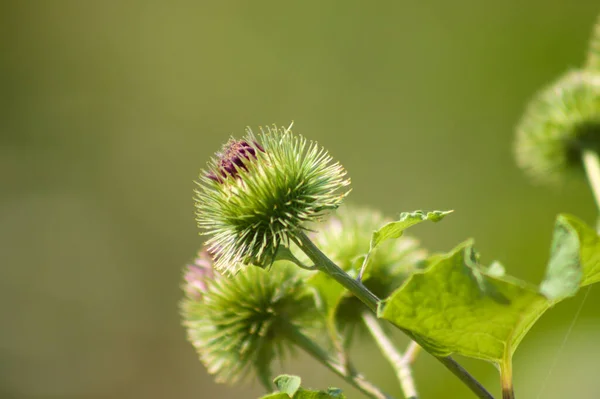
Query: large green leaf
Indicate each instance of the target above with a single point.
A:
(458, 306)
(289, 387)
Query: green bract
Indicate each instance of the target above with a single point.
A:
(240, 324)
(260, 192)
(559, 123)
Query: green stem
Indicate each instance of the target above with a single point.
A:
(508, 391)
(319, 354)
(465, 377)
(324, 264)
(592, 169)
(399, 363)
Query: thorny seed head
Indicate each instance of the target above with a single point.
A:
(238, 325)
(259, 193)
(560, 122)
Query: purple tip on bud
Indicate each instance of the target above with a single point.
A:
(233, 157)
(198, 275)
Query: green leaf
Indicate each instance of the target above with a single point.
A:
(289, 387)
(563, 275)
(288, 384)
(455, 307)
(406, 220)
(396, 229)
(589, 251)
(458, 306)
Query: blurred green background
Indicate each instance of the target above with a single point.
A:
(108, 111)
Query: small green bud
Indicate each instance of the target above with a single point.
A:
(239, 324)
(560, 122)
(259, 193)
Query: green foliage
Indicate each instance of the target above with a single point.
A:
(289, 387)
(406, 220)
(288, 384)
(458, 306)
(259, 197)
(260, 192)
(345, 239)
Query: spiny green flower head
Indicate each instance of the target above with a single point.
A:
(238, 324)
(260, 192)
(345, 239)
(559, 123)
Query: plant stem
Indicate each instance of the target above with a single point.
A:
(399, 363)
(508, 391)
(412, 351)
(465, 377)
(319, 354)
(592, 169)
(324, 264)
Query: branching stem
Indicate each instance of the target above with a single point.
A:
(348, 374)
(324, 264)
(400, 363)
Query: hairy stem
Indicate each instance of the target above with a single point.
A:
(349, 375)
(324, 264)
(397, 360)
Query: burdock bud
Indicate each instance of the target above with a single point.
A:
(259, 193)
(240, 325)
(560, 123)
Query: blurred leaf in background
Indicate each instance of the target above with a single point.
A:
(108, 110)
